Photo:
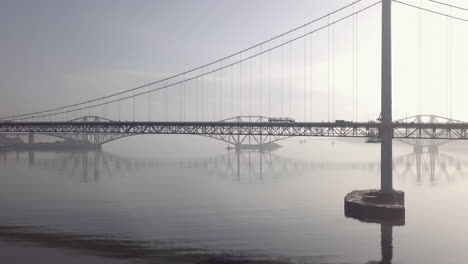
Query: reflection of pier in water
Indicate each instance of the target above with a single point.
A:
(425, 163)
(386, 233)
(386, 244)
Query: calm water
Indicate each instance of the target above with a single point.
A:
(166, 199)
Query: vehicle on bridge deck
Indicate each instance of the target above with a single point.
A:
(342, 122)
(281, 119)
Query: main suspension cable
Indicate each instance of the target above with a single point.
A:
(431, 11)
(449, 5)
(203, 73)
(183, 73)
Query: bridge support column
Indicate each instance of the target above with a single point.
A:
(96, 165)
(386, 130)
(84, 157)
(384, 203)
(31, 138)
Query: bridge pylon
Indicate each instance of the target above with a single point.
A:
(384, 204)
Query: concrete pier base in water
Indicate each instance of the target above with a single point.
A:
(375, 206)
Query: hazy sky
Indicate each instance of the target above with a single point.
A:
(60, 52)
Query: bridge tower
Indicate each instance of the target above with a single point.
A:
(386, 130)
(385, 203)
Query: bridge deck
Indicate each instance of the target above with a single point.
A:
(316, 129)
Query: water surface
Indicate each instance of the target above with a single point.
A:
(182, 199)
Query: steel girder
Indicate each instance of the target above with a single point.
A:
(195, 128)
(286, 129)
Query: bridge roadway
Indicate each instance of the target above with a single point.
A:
(316, 129)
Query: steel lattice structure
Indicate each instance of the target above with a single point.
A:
(276, 129)
(97, 130)
(247, 141)
(253, 141)
(430, 119)
(93, 138)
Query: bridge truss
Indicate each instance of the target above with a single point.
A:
(428, 119)
(248, 141)
(218, 129)
(92, 138)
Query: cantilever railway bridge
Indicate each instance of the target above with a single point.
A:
(416, 130)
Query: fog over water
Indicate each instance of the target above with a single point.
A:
(191, 205)
(193, 199)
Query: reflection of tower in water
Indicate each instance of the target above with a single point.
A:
(386, 233)
(386, 244)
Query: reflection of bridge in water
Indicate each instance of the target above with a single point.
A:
(425, 164)
(431, 161)
(237, 164)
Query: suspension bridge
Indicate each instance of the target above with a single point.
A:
(279, 78)
(402, 129)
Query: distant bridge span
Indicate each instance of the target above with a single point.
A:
(100, 138)
(411, 130)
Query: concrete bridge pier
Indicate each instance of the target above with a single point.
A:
(385, 203)
(96, 155)
(433, 152)
(418, 149)
(386, 234)
(433, 148)
(84, 157)
(31, 138)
